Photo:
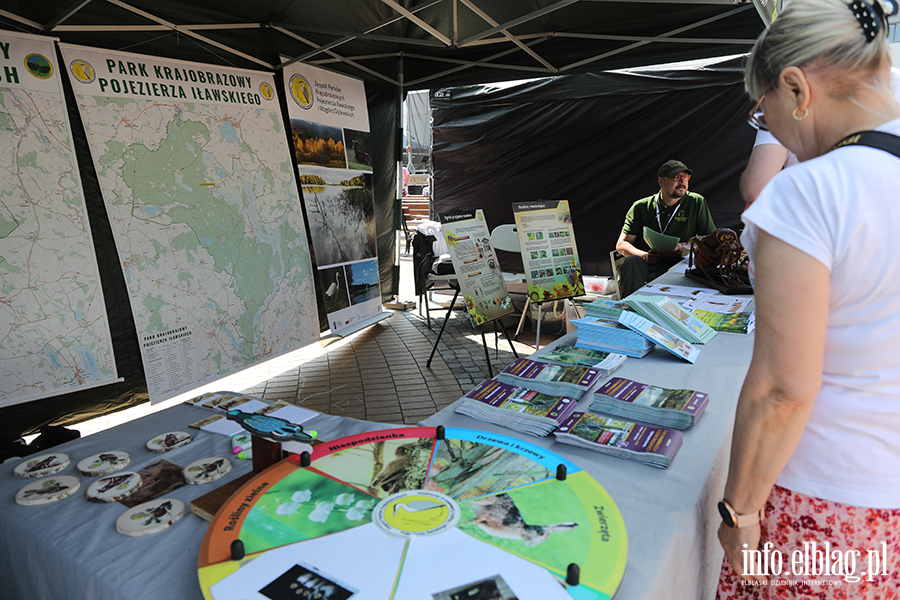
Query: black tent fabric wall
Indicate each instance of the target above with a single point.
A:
(595, 140)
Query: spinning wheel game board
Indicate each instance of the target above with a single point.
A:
(398, 514)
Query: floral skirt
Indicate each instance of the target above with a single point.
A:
(820, 549)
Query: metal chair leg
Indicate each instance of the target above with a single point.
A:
(522, 318)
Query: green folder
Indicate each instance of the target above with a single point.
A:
(659, 241)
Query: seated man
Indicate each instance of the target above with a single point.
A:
(672, 211)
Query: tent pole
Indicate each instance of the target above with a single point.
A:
(398, 160)
(454, 33)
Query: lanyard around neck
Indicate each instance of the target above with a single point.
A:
(659, 219)
(874, 139)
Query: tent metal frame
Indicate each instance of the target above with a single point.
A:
(495, 33)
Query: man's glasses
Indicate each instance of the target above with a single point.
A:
(757, 118)
(681, 177)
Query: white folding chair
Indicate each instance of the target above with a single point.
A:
(506, 238)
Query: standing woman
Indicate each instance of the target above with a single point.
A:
(816, 448)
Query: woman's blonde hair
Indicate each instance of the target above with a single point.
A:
(824, 31)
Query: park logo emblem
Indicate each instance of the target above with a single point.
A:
(266, 91)
(82, 71)
(416, 513)
(39, 66)
(301, 91)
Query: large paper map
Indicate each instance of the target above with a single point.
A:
(54, 334)
(200, 191)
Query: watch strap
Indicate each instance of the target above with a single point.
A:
(733, 519)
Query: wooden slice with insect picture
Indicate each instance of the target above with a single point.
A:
(103, 463)
(41, 466)
(115, 487)
(206, 470)
(150, 517)
(169, 441)
(45, 491)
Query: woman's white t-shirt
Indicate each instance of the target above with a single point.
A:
(843, 210)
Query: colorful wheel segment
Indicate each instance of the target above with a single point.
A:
(398, 514)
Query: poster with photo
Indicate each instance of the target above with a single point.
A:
(330, 141)
(549, 255)
(479, 275)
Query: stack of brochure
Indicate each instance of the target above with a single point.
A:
(609, 336)
(660, 336)
(604, 308)
(678, 409)
(509, 406)
(668, 313)
(555, 380)
(595, 335)
(742, 322)
(653, 446)
(605, 362)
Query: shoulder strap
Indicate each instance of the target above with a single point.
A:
(874, 139)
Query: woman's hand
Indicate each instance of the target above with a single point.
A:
(734, 540)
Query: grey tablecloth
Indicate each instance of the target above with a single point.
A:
(670, 515)
(70, 549)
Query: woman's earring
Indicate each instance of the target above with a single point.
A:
(798, 117)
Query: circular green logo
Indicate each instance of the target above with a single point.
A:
(39, 66)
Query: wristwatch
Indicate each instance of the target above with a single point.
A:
(732, 519)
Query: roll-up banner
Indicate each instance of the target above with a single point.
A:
(475, 264)
(768, 10)
(549, 255)
(330, 135)
(199, 186)
(54, 330)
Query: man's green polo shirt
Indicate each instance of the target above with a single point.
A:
(686, 218)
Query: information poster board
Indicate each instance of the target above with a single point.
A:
(330, 136)
(480, 278)
(54, 330)
(549, 255)
(768, 10)
(199, 187)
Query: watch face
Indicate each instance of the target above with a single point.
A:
(726, 514)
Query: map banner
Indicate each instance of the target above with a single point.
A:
(330, 135)
(200, 191)
(54, 330)
(547, 240)
(478, 272)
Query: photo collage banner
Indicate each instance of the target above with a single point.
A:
(199, 186)
(330, 138)
(54, 329)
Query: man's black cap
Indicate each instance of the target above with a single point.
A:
(672, 168)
